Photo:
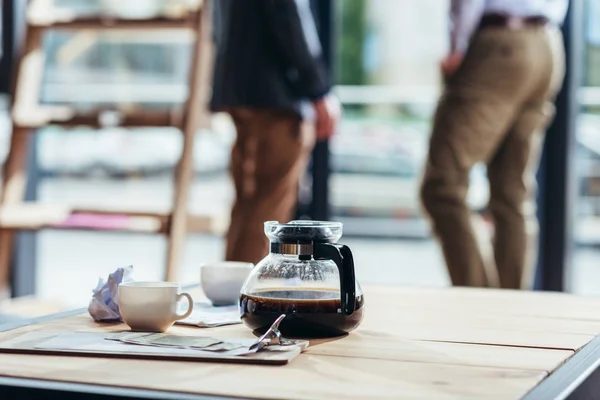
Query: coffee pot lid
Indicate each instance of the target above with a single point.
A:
(303, 231)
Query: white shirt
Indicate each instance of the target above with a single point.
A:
(465, 15)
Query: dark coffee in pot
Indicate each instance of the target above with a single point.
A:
(317, 314)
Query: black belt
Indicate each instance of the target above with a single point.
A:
(507, 21)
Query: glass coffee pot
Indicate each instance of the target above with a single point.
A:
(307, 276)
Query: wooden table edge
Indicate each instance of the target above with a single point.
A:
(578, 378)
(48, 389)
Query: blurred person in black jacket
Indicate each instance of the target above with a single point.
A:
(270, 76)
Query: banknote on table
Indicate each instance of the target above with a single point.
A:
(118, 336)
(176, 341)
(224, 346)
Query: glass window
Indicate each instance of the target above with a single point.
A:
(586, 274)
(388, 79)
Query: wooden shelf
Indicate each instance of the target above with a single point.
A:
(40, 116)
(35, 216)
(42, 216)
(43, 14)
(110, 22)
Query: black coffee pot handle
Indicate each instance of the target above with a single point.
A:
(342, 257)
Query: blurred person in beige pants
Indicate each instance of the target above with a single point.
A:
(270, 76)
(505, 66)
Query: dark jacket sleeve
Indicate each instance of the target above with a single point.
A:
(305, 65)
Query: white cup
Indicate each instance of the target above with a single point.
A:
(222, 281)
(151, 306)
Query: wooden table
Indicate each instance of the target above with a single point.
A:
(413, 343)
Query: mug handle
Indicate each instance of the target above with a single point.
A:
(190, 306)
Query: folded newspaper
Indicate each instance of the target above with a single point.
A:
(205, 315)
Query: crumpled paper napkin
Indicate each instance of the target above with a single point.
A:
(104, 306)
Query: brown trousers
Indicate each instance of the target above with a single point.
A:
(494, 110)
(267, 161)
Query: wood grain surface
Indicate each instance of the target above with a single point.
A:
(413, 343)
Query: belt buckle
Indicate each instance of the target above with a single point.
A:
(515, 23)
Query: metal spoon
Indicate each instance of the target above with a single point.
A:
(272, 337)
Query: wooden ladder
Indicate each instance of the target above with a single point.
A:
(28, 115)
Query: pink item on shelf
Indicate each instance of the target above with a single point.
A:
(96, 221)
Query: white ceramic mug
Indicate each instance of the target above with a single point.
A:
(151, 306)
(222, 281)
